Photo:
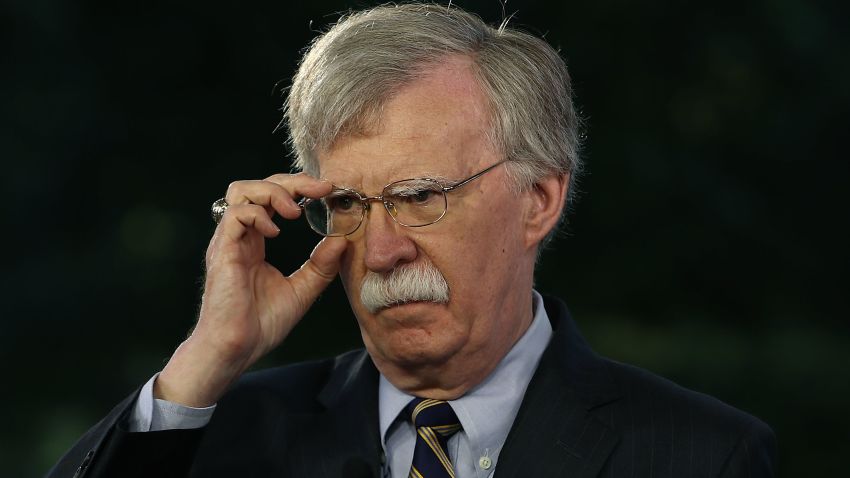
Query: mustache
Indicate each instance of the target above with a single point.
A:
(421, 282)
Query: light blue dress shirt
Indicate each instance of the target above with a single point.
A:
(486, 412)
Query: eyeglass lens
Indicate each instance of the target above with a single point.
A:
(413, 203)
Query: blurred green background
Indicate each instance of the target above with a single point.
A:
(709, 244)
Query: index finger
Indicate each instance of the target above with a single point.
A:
(302, 185)
(277, 192)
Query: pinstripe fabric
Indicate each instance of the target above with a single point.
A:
(582, 416)
(435, 423)
(585, 416)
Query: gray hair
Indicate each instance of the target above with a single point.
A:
(352, 70)
(420, 281)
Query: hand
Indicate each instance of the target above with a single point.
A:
(248, 306)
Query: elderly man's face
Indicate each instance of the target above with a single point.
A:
(437, 127)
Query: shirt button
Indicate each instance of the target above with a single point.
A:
(485, 462)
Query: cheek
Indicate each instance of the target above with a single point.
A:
(482, 255)
(350, 264)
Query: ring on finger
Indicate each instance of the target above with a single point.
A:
(219, 206)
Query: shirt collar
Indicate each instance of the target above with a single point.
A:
(488, 410)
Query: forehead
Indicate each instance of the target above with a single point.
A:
(437, 126)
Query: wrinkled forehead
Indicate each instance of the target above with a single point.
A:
(437, 126)
(370, 174)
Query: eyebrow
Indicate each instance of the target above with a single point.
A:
(339, 191)
(437, 177)
(444, 180)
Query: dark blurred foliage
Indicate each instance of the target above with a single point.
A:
(709, 243)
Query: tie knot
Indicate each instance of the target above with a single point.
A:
(435, 414)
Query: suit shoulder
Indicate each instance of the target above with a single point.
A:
(690, 433)
(652, 395)
(297, 384)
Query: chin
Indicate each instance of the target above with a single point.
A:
(412, 357)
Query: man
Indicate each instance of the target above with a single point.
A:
(438, 155)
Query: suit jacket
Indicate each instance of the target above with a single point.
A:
(582, 416)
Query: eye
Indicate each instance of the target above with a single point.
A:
(417, 193)
(422, 195)
(342, 203)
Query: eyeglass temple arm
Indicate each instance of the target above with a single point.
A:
(473, 177)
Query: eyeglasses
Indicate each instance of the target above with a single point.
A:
(411, 202)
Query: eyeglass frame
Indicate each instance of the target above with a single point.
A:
(366, 201)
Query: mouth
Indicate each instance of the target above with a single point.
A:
(408, 303)
(409, 306)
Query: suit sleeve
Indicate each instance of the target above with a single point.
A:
(109, 449)
(754, 456)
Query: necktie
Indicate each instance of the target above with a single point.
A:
(435, 423)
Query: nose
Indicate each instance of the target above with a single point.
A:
(387, 245)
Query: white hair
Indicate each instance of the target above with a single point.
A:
(352, 70)
(420, 281)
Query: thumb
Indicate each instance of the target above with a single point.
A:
(320, 270)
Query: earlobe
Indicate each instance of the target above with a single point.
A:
(547, 198)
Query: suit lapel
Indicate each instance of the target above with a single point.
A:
(344, 439)
(555, 432)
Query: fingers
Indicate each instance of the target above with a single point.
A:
(303, 184)
(277, 192)
(314, 276)
(240, 217)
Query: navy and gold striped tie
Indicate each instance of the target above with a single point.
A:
(435, 422)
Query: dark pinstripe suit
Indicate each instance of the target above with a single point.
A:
(582, 416)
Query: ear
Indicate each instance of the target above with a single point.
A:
(546, 201)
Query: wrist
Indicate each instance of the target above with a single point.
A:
(194, 377)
